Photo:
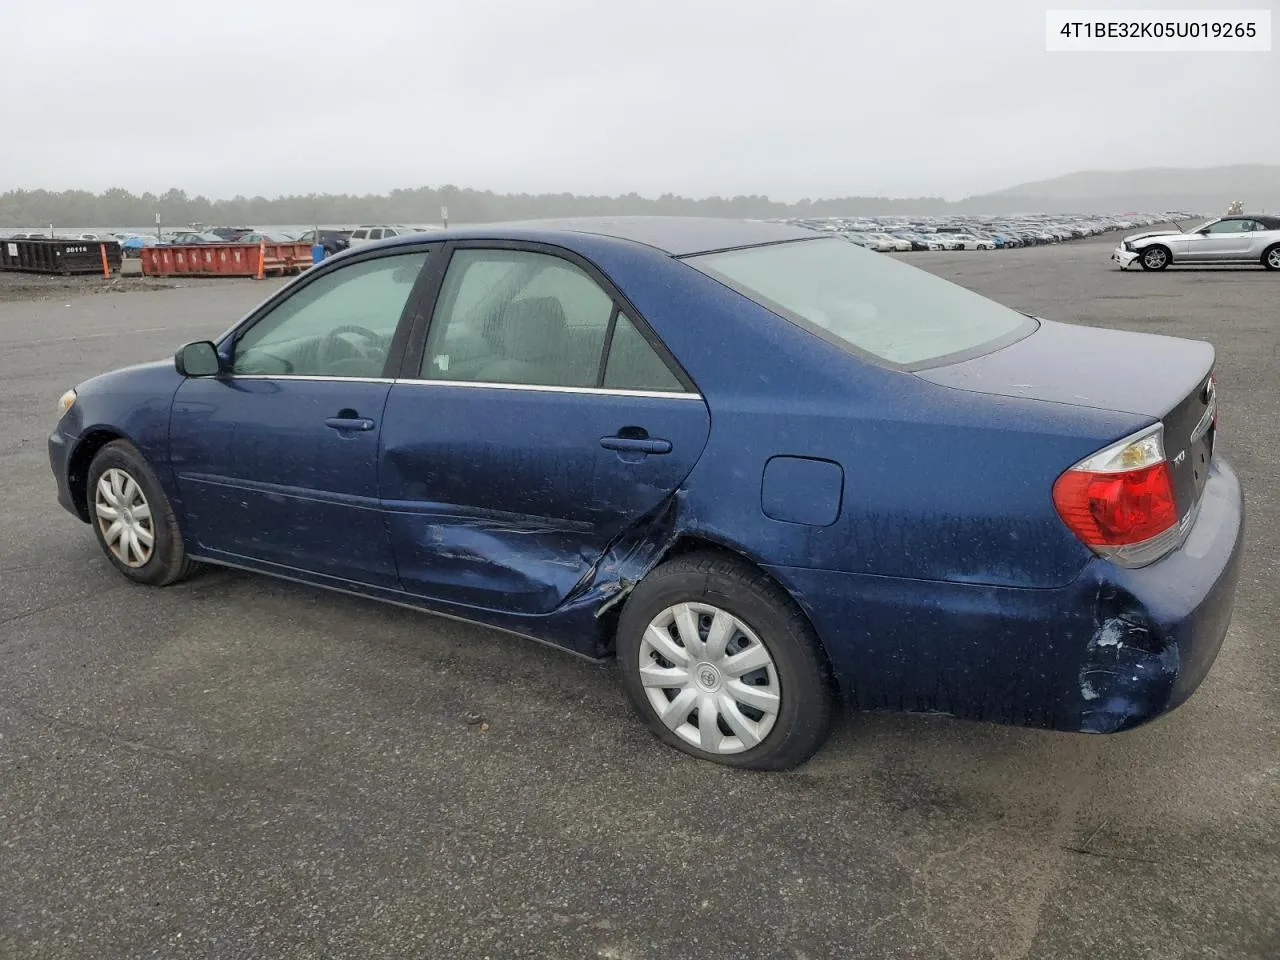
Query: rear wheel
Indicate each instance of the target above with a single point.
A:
(721, 664)
(133, 519)
(1271, 259)
(1155, 258)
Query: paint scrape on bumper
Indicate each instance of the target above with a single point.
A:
(1128, 675)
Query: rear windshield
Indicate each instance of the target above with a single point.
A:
(867, 301)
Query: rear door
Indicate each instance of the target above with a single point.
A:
(277, 461)
(539, 421)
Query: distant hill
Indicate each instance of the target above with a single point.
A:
(1206, 190)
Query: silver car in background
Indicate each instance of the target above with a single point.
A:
(1251, 238)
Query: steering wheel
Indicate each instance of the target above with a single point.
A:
(331, 339)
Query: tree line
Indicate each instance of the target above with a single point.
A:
(120, 208)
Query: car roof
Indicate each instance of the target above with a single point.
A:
(677, 236)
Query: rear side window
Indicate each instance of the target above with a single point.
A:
(865, 301)
(508, 316)
(519, 317)
(634, 365)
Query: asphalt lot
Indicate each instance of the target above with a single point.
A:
(238, 767)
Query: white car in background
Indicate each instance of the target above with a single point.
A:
(369, 233)
(862, 240)
(895, 244)
(1252, 238)
(948, 241)
(871, 241)
(968, 241)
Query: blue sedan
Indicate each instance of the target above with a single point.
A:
(769, 471)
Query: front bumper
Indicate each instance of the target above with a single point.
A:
(1109, 652)
(61, 444)
(1124, 257)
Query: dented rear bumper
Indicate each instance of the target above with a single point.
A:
(1160, 627)
(1113, 650)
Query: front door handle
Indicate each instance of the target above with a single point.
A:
(349, 423)
(636, 444)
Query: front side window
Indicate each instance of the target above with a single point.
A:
(340, 325)
(1227, 226)
(872, 304)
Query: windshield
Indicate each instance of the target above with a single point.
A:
(866, 301)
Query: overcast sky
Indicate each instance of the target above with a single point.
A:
(789, 98)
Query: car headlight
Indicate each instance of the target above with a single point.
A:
(65, 402)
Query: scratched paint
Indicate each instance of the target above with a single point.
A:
(1128, 673)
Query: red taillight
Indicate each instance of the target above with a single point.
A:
(1119, 501)
(1116, 509)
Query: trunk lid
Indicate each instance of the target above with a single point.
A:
(1165, 378)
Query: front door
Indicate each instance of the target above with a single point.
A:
(1224, 240)
(277, 461)
(541, 424)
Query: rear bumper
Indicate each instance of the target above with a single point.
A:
(1123, 257)
(1113, 650)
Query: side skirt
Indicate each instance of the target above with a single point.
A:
(395, 598)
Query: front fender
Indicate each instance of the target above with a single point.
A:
(132, 404)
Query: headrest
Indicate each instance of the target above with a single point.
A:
(533, 329)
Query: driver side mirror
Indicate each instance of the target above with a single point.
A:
(199, 359)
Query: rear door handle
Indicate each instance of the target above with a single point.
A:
(349, 423)
(636, 444)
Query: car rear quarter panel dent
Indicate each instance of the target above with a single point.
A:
(1108, 652)
(1084, 658)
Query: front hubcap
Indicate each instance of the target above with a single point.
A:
(1273, 258)
(709, 678)
(1155, 258)
(124, 517)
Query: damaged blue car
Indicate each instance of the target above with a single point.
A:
(769, 471)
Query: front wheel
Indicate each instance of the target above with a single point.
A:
(1271, 259)
(721, 664)
(133, 519)
(1155, 258)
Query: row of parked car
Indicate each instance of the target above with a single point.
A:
(885, 234)
(900, 234)
(333, 240)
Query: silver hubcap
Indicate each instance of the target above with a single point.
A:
(709, 678)
(124, 517)
(1273, 258)
(1155, 258)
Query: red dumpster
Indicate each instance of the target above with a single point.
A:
(225, 259)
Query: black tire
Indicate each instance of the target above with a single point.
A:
(1271, 257)
(168, 562)
(806, 691)
(1160, 257)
